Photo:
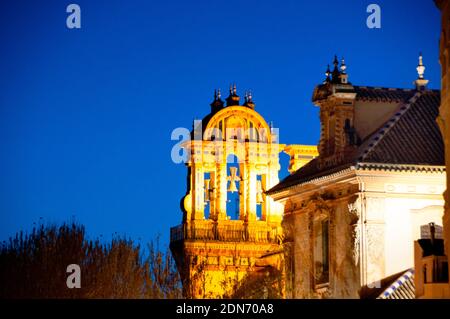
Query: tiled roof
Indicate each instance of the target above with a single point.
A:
(397, 286)
(369, 93)
(410, 137)
(402, 288)
(306, 173)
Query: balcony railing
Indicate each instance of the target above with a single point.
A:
(231, 231)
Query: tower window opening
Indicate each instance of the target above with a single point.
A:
(259, 197)
(233, 187)
(208, 194)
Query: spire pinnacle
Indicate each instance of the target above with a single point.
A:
(343, 66)
(421, 82)
(327, 74)
(343, 77)
(420, 68)
(233, 98)
(335, 74)
(217, 104)
(248, 100)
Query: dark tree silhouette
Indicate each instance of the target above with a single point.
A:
(34, 266)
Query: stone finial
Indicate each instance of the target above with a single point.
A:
(343, 66)
(420, 68)
(343, 76)
(421, 82)
(249, 96)
(233, 98)
(335, 74)
(327, 74)
(248, 100)
(335, 61)
(217, 104)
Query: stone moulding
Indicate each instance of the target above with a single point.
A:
(366, 167)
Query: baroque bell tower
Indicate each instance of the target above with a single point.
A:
(336, 99)
(230, 227)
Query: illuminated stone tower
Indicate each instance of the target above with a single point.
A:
(233, 157)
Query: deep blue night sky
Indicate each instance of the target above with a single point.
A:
(86, 115)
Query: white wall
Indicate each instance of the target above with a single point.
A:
(369, 116)
(403, 218)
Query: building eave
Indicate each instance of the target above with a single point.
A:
(416, 168)
(342, 174)
(352, 172)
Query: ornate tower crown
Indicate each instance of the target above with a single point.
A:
(338, 75)
(232, 162)
(336, 97)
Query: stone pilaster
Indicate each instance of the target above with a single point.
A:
(221, 191)
(199, 191)
(373, 245)
(303, 266)
(251, 196)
